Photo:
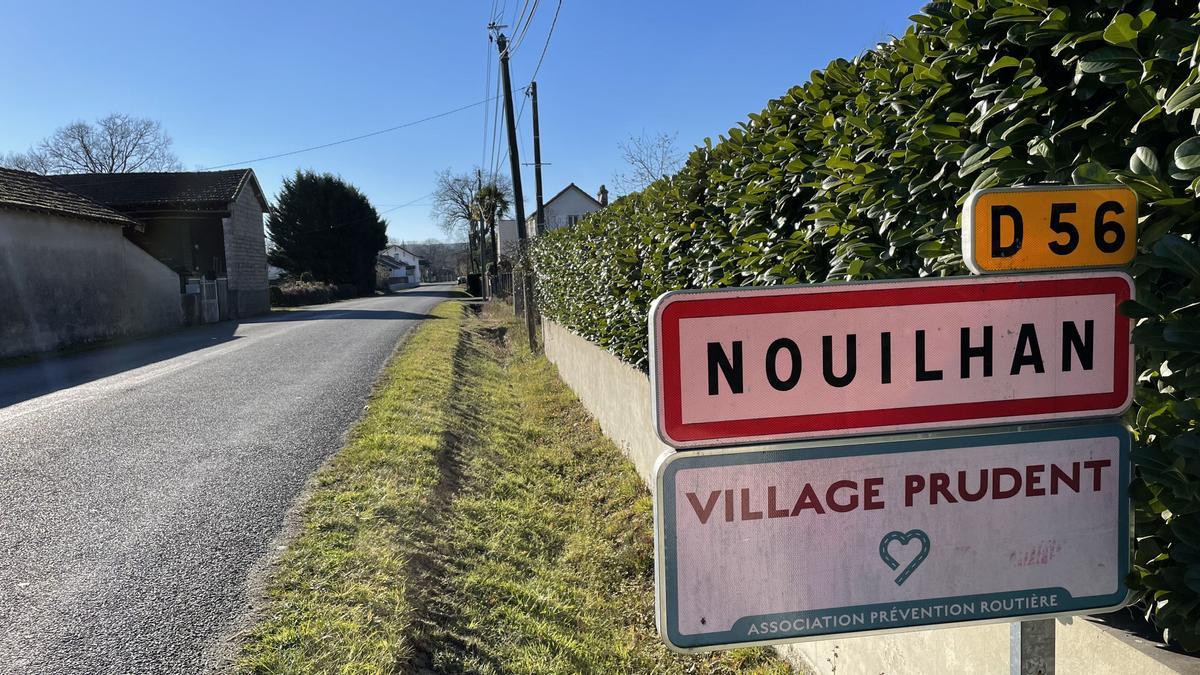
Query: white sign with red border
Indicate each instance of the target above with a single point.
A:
(753, 365)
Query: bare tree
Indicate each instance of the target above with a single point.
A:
(649, 158)
(454, 202)
(467, 203)
(446, 259)
(114, 144)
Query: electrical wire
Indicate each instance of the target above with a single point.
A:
(348, 223)
(352, 139)
(487, 86)
(524, 30)
(496, 131)
(545, 47)
(553, 23)
(520, 18)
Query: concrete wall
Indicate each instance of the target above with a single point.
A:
(618, 396)
(65, 282)
(510, 239)
(246, 256)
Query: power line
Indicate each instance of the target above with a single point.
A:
(517, 24)
(487, 86)
(545, 47)
(519, 115)
(355, 138)
(348, 223)
(520, 37)
(496, 131)
(408, 203)
(553, 23)
(412, 202)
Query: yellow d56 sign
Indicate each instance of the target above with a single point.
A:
(1049, 227)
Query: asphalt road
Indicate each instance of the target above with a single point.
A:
(140, 485)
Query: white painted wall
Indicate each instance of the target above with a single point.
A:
(572, 203)
(67, 282)
(506, 232)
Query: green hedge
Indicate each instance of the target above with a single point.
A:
(861, 174)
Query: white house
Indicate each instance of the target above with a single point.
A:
(404, 267)
(563, 209)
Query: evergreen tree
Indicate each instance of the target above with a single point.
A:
(322, 225)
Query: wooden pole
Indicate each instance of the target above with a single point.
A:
(514, 161)
(537, 162)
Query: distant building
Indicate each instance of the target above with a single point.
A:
(563, 209)
(403, 267)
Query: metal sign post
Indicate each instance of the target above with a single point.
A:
(1031, 647)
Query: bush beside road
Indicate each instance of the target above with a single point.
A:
(477, 520)
(298, 292)
(861, 172)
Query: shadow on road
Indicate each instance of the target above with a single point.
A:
(345, 314)
(449, 294)
(53, 372)
(43, 375)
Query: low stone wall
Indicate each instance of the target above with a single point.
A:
(618, 396)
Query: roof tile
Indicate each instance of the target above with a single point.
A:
(191, 190)
(26, 191)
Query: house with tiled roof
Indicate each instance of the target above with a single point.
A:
(562, 210)
(399, 268)
(69, 275)
(201, 224)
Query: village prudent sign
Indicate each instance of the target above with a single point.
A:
(841, 537)
(753, 365)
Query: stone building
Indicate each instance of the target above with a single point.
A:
(201, 224)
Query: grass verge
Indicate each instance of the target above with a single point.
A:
(476, 521)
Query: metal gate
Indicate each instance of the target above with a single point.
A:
(210, 305)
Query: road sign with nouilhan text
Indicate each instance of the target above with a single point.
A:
(788, 543)
(756, 365)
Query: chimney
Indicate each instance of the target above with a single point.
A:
(603, 195)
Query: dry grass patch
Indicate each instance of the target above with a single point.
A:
(478, 521)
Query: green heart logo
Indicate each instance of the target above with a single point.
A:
(904, 538)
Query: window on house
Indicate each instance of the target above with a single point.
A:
(571, 220)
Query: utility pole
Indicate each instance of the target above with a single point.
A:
(514, 162)
(480, 238)
(537, 162)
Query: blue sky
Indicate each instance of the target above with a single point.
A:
(234, 81)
